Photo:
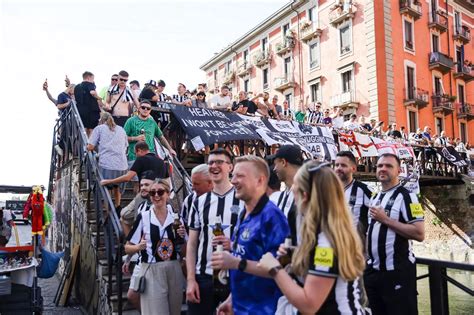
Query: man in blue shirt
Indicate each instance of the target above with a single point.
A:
(261, 227)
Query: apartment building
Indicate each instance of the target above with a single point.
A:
(400, 60)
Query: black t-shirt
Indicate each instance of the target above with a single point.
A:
(149, 162)
(84, 100)
(63, 98)
(395, 134)
(148, 94)
(251, 107)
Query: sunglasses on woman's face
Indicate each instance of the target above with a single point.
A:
(159, 192)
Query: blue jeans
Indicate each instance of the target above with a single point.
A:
(208, 303)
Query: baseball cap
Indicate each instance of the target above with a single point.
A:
(291, 153)
(152, 82)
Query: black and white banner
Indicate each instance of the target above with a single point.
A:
(451, 155)
(207, 126)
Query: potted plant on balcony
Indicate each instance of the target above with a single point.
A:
(452, 98)
(306, 24)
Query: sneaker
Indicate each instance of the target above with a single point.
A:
(58, 149)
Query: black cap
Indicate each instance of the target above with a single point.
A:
(148, 175)
(291, 153)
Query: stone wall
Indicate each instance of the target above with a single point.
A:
(449, 222)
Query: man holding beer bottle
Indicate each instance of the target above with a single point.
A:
(211, 221)
(261, 228)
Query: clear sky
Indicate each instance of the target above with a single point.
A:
(158, 39)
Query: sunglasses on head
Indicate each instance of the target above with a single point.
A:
(123, 80)
(159, 192)
(145, 107)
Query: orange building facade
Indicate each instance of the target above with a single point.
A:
(403, 61)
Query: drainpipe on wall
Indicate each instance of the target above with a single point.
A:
(299, 53)
(235, 71)
(450, 76)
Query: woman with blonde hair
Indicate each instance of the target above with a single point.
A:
(111, 142)
(156, 239)
(329, 258)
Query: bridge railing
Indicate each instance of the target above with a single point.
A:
(69, 134)
(438, 282)
(427, 160)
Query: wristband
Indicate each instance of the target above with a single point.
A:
(242, 265)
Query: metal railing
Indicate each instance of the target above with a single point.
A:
(439, 18)
(462, 31)
(71, 133)
(437, 57)
(416, 95)
(438, 282)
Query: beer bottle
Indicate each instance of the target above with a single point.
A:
(218, 230)
(142, 131)
(220, 279)
(286, 259)
(176, 224)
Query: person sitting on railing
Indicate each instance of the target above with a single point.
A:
(154, 237)
(111, 142)
(287, 113)
(338, 118)
(430, 153)
(266, 109)
(48, 94)
(314, 116)
(352, 124)
(394, 133)
(88, 102)
(365, 127)
(244, 105)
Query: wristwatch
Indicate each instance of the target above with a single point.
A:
(242, 264)
(273, 272)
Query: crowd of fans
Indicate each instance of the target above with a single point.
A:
(232, 233)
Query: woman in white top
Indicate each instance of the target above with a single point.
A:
(154, 237)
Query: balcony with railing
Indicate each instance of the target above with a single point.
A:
(310, 30)
(462, 34)
(262, 58)
(415, 97)
(465, 110)
(284, 46)
(342, 11)
(229, 77)
(438, 21)
(443, 103)
(464, 72)
(411, 8)
(283, 83)
(344, 100)
(440, 62)
(244, 68)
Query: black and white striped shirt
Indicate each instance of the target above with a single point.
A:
(165, 117)
(202, 217)
(149, 227)
(386, 249)
(286, 203)
(314, 117)
(344, 297)
(180, 98)
(358, 197)
(126, 96)
(186, 207)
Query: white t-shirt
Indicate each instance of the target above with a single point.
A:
(338, 122)
(220, 102)
(351, 125)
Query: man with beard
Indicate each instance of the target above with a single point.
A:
(220, 204)
(287, 160)
(261, 228)
(357, 193)
(395, 218)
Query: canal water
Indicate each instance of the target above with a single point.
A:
(460, 303)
